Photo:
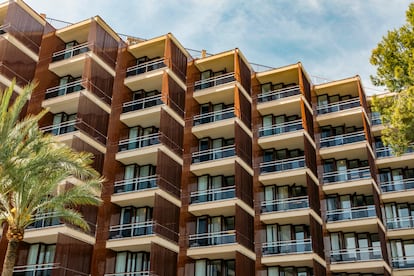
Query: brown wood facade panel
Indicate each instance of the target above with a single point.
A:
(307, 120)
(98, 157)
(172, 133)
(383, 239)
(305, 85)
(245, 109)
(170, 173)
(318, 269)
(98, 81)
(243, 144)
(245, 74)
(244, 228)
(313, 194)
(176, 97)
(244, 184)
(104, 44)
(317, 237)
(244, 265)
(166, 216)
(310, 156)
(163, 261)
(178, 60)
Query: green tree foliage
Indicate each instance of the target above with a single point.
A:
(394, 59)
(33, 172)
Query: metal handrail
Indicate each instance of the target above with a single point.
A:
(217, 80)
(212, 234)
(398, 222)
(279, 93)
(393, 184)
(141, 139)
(142, 101)
(214, 115)
(364, 172)
(298, 199)
(71, 50)
(339, 105)
(372, 253)
(352, 211)
(297, 124)
(135, 182)
(343, 137)
(212, 151)
(146, 65)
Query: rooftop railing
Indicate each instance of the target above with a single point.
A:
(287, 247)
(351, 213)
(282, 165)
(214, 116)
(214, 81)
(145, 67)
(278, 94)
(343, 139)
(356, 254)
(286, 204)
(213, 154)
(142, 103)
(397, 185)
(346, 175)
(139, 142)
(213, 194)
(338, 106)
(212, 238)
(277, 129)
(71, 52)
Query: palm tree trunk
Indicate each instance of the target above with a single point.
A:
(10, 258)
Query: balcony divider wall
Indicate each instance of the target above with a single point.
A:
(305, 85)
(104, 43)
(316, 233)
(244, 228)
(166, 215)
(242, 108)
(244, 184)
(307, 119)
(176, 59)
(159, 257)
(313, 194)
(244, 265)
(175, 98)
(170, 173)
(310, 156)
(172, 133)
(243, 73)
(100, 82)
(243, 143)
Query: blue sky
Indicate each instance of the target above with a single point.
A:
(332, 38)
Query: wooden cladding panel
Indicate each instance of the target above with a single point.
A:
(72, 254)
(24, 27)
(367, 129)
(372, 166)
(245, 75)
(307, 119)
(93, 115)
(178, 61)
(310, 156)
(317, 237)
(362, 97)
(98, 157)
(22, 253)
(305, 86)
(383, 240)
(163, 261)
(244, 265)
(244, 185)
(169, 173)
(245, 109)
(167, 216)
(318, 269)
(172, 133)
(313, 194)
(244, 228)
(377, 202)
(243, 144)
(176, 97)
(105, 46)
(100, 82)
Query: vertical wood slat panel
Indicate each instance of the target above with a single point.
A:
(307, 119)
(163, 261)
(176, 97)
(318, 269)
(244, 185)
(306, 86)
(169, 173)
(178, 61)
(172, 133)
(310, 156)
(244, 265)
(98, 157)
(245, 109)
(313, 194)
(244, 228)
(166, 215)
(383, 240)
(104, 45)
(243, 144)
(95, 119)
(317, 237)
(245, 75)
(100, 82)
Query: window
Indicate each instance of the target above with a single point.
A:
(213, 188)
(40, 253)
(63, 123)
(132, 262)
(215, 268)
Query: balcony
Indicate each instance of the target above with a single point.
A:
(131, 230)
(214, 81)
(139, 142)
(45, 220)
(406, 262)
(71, 52)
(344, 139)
(45, 269)
(376, 119)
(397, 185)
(286, 204)
(278, 129)
(212, 238)
(346, 175)
(356, 254)
(213, 154)
(287, 247)
(145, 67)
(282, 165)
(400, 223)
(338, 106)
(210, 195)
(214, 124)
(135, 184)
(383, 152)
(141, 103)
(278, 94)
(351, 213)
(213, 116)
(62, 90)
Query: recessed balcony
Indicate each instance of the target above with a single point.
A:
(363, 218)
(143, 103)
(20, 39)
(398, 190)
(279, 129)
(215, 194)
(385, 157)
(294, 210)
(216, 124)
(344, 111)
(71, 52)
(213, 161)
(214, 81)
(287, 247)
(131, 230)
(139, 142)
(357, 180)
(280, 101)
(70, 61)
(135, 184)
(283, 135)
(216, 89)
(45, 269)
(344, 139)
(282, 165)
(356, 254)
(278, 94)
(150, 70)
(338, 106)
(403, 263)
(286, 204)
(397, 223)
(212, 238)
(284, 171)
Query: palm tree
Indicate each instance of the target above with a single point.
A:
(33, 170)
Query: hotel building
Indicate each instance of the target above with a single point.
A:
(211, 167)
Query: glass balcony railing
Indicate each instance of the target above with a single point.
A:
(286, 204)
(213, 116)
(141, 103)
(376, 119)
(356, 254)
(278, 94)
(62, 90)
(282, 165)
(45, 220)
(61, 128)
(287, 247)
(213, 154)
(397, 185)
(145, 67)
(351, 213)
(71, 52)
(403, 262)
(135, 273)
(131, 230)
(338, 106)
(212, 238)
(400, 223)
(281, 128)
(343, 139)
(387, 151)
(139, 142)
(135, 184)
(346, 175)
(45, 270)
(214, 81)
(213, 194)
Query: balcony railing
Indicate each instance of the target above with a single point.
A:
(131, 230)
(135, 184)
(142, 103)
(213, 116)
(45, 270)
(281, 128)
(212, 238)
(45, 220)
(213, 154)
(282, 165)
(375, 119)
(338, 106)
(398, 185)
(145, 67)
(61, 128)
(346, 175)
(286, 204)
(214, 81)
(400, 223)
(71, 52)
(343, 139)
(213, 194)
(387, 151)
(351, 213)
(278, 94)
(356, 254)
(287, 247)
(139, 142)
(61, 90)
(403, 262)
(135, 273)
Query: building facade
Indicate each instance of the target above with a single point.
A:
(211, 168)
